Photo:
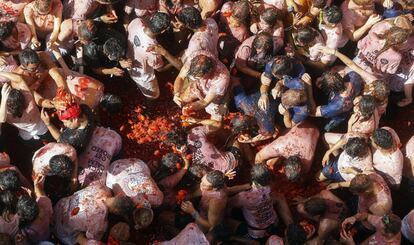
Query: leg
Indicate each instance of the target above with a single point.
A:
(146, 82)
(330, 139)
(408, 92)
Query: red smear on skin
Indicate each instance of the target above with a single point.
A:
(227, 14)
(178, 165)
(307, 226)
(180, 197)
(189, 156)
(112, 241)
(157, 153)
(75, 211)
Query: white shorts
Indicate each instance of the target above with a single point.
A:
(146, 81)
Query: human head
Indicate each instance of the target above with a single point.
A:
(169, 162)
(142, 217)
(177, 137)
(261, 175)
(9, 180)
(6, 29)
(29, 60)
(241, 125)
(293, 97)
(61, 165)
(201, 65)
(332, 15)
(392, 225)
(190, 17)
(269, 16)
(240, 12)
(305, 36)
(159, 22)
(361, 184)
(111, 103)
(120, 205)
(114, 49)
(332, 82)
(27, 209)
(213, 180)
(16, 103)
(379, 89)
(282, 65)
(367, 106)
(383, 139)
(363, 2)
(120, 232)
(319, 3)
(87, 31)
(293, 168)
(295, 234)
(43, 6)
(263, 43)
(314, 206)
(8, 202)
(197, 171)
(356, 147)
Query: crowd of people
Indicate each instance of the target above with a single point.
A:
(271, 77)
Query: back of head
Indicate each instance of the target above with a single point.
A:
(159, 22)
(261, 175)
(9, 180)
(263, 41)
(392, 224)
(356, 147)
(383, 138)
(293, 168)
(16, 103)
(170, 160)
(87, 30)
(241, 11)
(6, 29)
(282, 65)
(269, 16)
(241, 124)
(122, 206)
(28, 56)
(360, 183)
(367, 106)
(306, 35)
(111, 103)
(295, 234)
(27, 209)
(315, 206)
(319, 3)
(332, 82)
(142, 217)
(61, 165)
(333, 14)
(191, 17)
(120, 232)
(8, 202)
(92, 50)
(293, 97)
(404, 22)
(177, 137)
(216, 179)
(380, 90)
(200, 66)
(114, 48)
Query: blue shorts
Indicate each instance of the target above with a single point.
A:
(331, 172)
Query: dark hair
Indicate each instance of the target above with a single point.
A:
(61, 165)
(27, 209)
(28, 56)
(315, 206)
(269, 16)
(293, 97)
(356, 147)
(333, 14)
(16, 103)
(367, 106)
(122, 206)
(319, 3)
(92, 50)
(216, 178)
(261, 174)
(177, 137)
(332, 82)
(383, 138)
(8, 201)
(263, 41)
(170, 160)
(201, 65)
(191, 17)
(241, 10)
(6, 29)
(196, 171)
(295, 234)
(221, 232)
(159, 22)
(111, 103)
(306, 35)
(140, 213)
(293, 168)
(392, 224)
(114, 48)
(9, 180)
(282, 65)
(381, 90)
(87, 29)
(241, 124)
(360, 183)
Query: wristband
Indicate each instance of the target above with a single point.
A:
(263, 93)
(98, 19)
(194, 215)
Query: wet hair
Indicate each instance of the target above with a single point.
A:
(27, 209)
(241, 11)
(261, 174)
(221, 232)
(363, 2)
(319, 3)
(87, 30)
(263, 41)
(306, 35)
(6, 29)
(112, 103)
(293, 168)
(169, 161)
(120, 232)
(333, 14)
(28, 56)
(141, 214)
(270, 16)
(356, 147)
(241, 124)
(282, 65)
(159, 22)
(360, 183)
(383, 138)
(393, 37)
(16, 103)
(295, 234)
(216, 179)
(61, 165)
(293, 97)
(9, 180)
(191, 17)
(42, 5)
(196, 171)
(8, 201)
(114, 48)
(6, 239)
(177, 137)
(392, 223)
(367, 106)
(122, 206)
(381, 90)
(92, 50)
(332, 82)
(201, 65)
(315, 206)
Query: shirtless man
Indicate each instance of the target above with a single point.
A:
(15, 36)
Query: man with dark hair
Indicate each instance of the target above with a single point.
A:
(258, 203)
(9, 180)
(326, 209)
(14, 36)
(388, 159)
(27, 210)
